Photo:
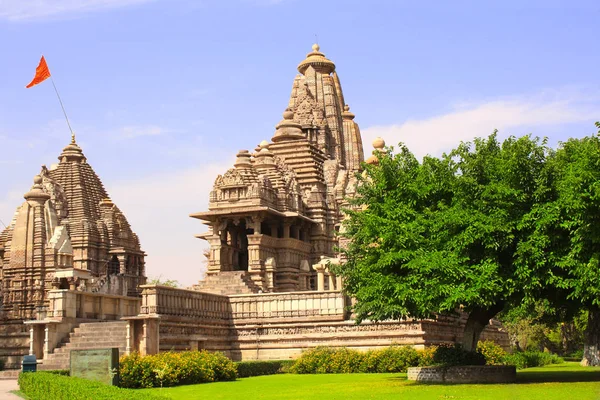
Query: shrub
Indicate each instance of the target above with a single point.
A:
(44, 385)
(326, 360)
(456, 355)
(426, 356)
(493, 353)
(63, 372)
(170, 369)
(256, 368)
(530, 359)
(393, 359)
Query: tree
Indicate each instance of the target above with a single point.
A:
(447, 233)
(163, 282)
(571, 234)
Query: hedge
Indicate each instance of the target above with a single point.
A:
(529, 359)
(171, 369)
(43, 386)
(246, 369)
(327, 360)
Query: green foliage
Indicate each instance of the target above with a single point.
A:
(530, 359)
(327, 360)
(430, 236)
(63, 372)
(170, 369)
(493, 353)
(158, 280)
(455, 355)
(542, 326)
(44, 385)
(256, 368)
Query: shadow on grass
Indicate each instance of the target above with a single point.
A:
(524, 377)
(557, 376)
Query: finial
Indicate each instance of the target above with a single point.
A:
(37, 180)
(72, 137)
(263, 144)
(288, 114)
(316, 47)
(378, 143)
(346, 107)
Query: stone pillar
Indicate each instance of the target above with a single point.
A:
(150, 337)
(46, 342)
(128, 338)
(31, 340)
(320, 268)
(122, 263)
(338, 283)
(331, 280)
(286, 229)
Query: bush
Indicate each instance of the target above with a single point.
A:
(455, 355)
(326, 360)
(171, 369)
(391, 359)
(494, 354)
(256, 368)
(63, 372)
(44, 385)
(529, 359)
(426, 356)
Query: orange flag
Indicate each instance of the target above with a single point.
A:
(41, 73)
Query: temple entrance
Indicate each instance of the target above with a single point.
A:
(238, 240)
(114, 266)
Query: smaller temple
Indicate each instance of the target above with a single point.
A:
(67, 234)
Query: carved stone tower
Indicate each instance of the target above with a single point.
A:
(277, 211)
(67, 234)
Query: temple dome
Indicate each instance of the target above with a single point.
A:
(317, 60)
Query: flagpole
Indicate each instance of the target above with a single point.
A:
(63, 109)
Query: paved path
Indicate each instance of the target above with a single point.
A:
(6, 385)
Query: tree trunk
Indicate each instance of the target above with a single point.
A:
(478, 319)
(591, 347)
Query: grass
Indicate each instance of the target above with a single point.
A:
(563, 381)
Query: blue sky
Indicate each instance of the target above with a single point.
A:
(162, 94)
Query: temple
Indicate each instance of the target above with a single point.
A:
(72, 270)
(276, 212)
(67, 234)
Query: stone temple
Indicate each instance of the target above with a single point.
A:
(72, 270)
(276, 212)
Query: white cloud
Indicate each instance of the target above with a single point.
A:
(510, 116)
(130, 132)
(158, 208)
(16, 10)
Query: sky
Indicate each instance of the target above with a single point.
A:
(162, 94)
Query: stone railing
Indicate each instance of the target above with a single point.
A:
(327, 305)
(64, 303)
(168, 301)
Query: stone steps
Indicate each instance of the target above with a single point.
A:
(226, 283)
(87, 336)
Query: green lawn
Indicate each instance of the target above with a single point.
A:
(563, 381)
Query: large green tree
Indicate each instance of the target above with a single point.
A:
(569, 234)
(446, 233)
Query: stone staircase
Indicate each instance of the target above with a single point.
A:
(89, 335)
(228, 282)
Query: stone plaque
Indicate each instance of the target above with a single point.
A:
(96, 364)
